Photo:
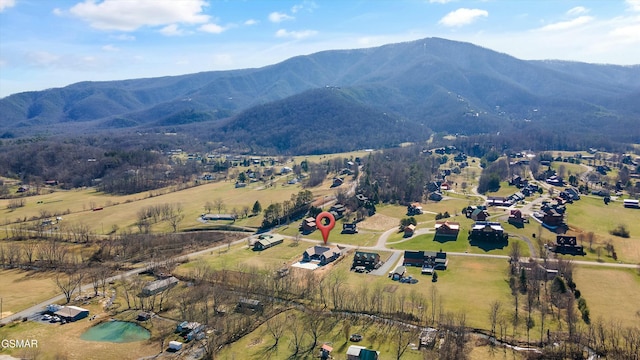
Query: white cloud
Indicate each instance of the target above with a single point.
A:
(627, 34)
(569, 24)
(463, 16)
(131, 15)
(277, 17)
(42, 58)
(123, 37)
(212, 28)
(110, 48)
(306, 5)
(57, 12)
(5, 4)
(634, 5)
(171, 30)
(578, 10)
(251, 22)
(440, 1)
(282, 33)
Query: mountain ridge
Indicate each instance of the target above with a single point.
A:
(435, 83)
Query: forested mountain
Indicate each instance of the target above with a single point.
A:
(401, 89)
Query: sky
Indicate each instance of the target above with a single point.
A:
(54, 43)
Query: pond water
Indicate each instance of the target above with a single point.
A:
(116, 331)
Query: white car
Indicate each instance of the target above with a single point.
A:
(46, 317)
(55, 319)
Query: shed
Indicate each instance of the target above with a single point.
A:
(175, 345)
(158, 286)
(266, 241)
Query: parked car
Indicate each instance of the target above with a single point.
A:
(355, 337)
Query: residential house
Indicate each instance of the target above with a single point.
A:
(325, 352)
(322, 254)
(516, 218)
(337, 182)
(630, 203)
(398, 273)
(368, 260)
(555, 180)
(349, 228)
(498, 201)
(447, 229)
(479, 214)
(266, 241)
(356, 352)
(435, 196)
(409, 230)
(71, 313)
(158, 286)
(487, 231)
(308, 225)
(338, 210)
(568, 245)
(246, 305)
(431, 259)
(414, 209)
(241, 184)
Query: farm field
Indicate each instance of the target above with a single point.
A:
(587, 215)
(603, 287)
(34, 287)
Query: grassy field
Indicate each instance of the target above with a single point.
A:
(20, 290)
(602, 288)
(570, 169)
(590, 214)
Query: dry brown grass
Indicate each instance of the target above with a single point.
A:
(379, 222)
(22, 289)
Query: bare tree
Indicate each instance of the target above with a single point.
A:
(208, 206)
(218, 204)
(276, 327)
(494, 315)
(402, 337)
(69, 283)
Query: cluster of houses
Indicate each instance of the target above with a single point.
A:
(308, 225)
(525, 189)
(552, 215)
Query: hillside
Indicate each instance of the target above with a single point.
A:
(443, 85)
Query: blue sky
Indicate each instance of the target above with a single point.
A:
(53, 43)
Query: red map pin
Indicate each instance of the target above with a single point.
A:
(325, 229)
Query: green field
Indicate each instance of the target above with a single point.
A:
(21, 289)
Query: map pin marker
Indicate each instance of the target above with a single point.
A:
(325, 229)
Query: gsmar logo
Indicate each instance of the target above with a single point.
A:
(18, 343)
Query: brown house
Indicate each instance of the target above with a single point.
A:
(308, 225)
(409, 230)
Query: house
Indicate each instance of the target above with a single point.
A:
(158, 286)
(322, 254)
(356, 352)
(516, 181)
(338, 210)
(630, 203)
(516, 218)
(555, 180)
(568, 245)
(246, 305)
(23, 188)
(433, 186)
(349, 228)
(51, 182)
(325, 352)
(498, 201)
(266, 241)
(241, 185)
(429, 259)
(308, 225)
(409, 230)
(214, 217)
(435, 196)
(445, 186)
(368, 260)
(414, 209)
(175, 345)
(337, 182)
(479, 214)
(71, 313)
(487, 231)
(447, 229)
(398, 273)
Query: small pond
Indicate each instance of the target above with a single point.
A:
(116, 331)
